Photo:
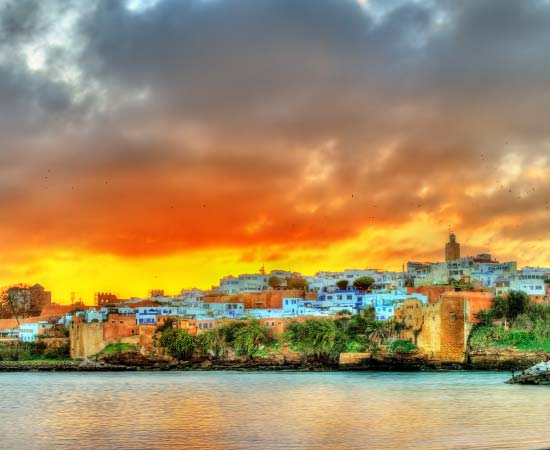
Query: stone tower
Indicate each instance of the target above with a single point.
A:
(452, 248)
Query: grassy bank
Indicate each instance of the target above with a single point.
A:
(523, 325)
(33, 351)
(498, 336)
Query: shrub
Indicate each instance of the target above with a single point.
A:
(518, 338)
(227, 332)
(209, 343)
(63, 352)
(401, 346)
(315, 337)
(486, 336)
(178, 343)
(355, 347)
(249, 338)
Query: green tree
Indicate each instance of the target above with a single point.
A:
(249, 338)
(274, 282)
(363, 283)
(510, 307)
(377, 331)
(369, 313)
(178, 343)
(518, 302)
(486, 317)
(342, 284)
(210, 343)
(500, 307)
(228, 332)
(296, 283)
(315, 337)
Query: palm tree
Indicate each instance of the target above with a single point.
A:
(377, 331)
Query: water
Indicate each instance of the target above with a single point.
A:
(234, 410)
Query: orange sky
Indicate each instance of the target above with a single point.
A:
(171, 143)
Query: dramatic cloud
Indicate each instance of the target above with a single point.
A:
(146, 129)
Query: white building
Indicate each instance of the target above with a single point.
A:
(29, 332)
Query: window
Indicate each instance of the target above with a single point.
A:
(452, 317)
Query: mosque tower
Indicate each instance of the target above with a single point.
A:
(452, 248)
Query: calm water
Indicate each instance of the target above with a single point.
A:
(231, 410)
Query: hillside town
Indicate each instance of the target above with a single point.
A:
(436, 303)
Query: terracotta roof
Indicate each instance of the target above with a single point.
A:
(140, 304)
(60, 310)
(8, 324)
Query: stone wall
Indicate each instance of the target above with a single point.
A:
(353, 360)
(440, 330)
(86, 339)
(119, 326)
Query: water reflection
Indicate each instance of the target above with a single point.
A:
(232, 410)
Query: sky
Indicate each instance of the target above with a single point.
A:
(167, 143)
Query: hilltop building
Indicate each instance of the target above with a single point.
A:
(105, 298)
(452, 248)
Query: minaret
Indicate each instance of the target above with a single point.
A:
(452, 248)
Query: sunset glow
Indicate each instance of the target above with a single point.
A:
(165, 144)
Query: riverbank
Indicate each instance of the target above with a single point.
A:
(490, 359)
(133, 361)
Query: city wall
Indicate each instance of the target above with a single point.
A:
(440, 330)
(88, 339)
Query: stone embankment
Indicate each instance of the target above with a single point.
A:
(136, 361)
(493, 358)
(54, 366)
(133, 361)
(504, 358)
(412, 361)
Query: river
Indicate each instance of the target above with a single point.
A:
(273, 410)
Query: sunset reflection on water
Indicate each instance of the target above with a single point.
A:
(234, 410)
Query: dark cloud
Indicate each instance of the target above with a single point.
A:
(247, 122)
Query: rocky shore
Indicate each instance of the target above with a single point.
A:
(542, 379)
(54, 366)
(133, 361)
(504, 359)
